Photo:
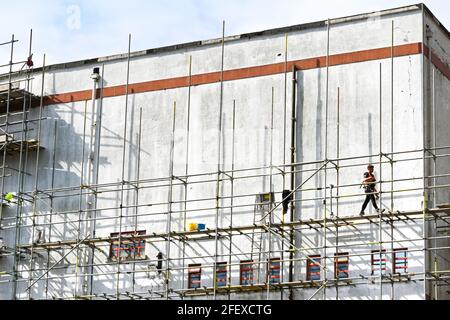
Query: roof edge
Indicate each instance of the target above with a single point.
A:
(274, 31)
(436, 20)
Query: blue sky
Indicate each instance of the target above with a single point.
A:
(68, 30)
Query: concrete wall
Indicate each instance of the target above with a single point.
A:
(438, 113)
(359, 135)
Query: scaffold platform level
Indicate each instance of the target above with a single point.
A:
(14, 146)
(16, 97)
(348, 221)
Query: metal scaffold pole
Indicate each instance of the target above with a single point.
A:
(97, 146)
(22, 165)
(271, 215)
(338, 146)
(6, 124)
(424, 151)
(219, 164)
(186, 168)
(36, 179)
(72, 254)
(170, 202)
(284, 147)
(292, 174)
(55, 137)
(380, 205)
(137, 188)
(123, 169)
(435, 262)
(391, 159)
(80, 200)
(233, 137)
(324, 187)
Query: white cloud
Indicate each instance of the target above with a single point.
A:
(80, 29)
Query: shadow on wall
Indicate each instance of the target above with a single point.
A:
(58, 166)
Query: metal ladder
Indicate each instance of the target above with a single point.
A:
(263, 204)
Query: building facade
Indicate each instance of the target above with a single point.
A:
(232, 168)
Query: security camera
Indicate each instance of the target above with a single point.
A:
(95, 74)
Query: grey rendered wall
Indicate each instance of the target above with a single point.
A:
(359, 136)
(438, 133)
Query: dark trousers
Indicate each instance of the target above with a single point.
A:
(369, 197)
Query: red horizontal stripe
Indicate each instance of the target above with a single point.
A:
(445, 69)
(244, 73)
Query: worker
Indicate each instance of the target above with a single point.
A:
(370, 189)
(30, 62)
(287, 196)
(160, 261)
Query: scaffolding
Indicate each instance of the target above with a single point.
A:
(88, 250)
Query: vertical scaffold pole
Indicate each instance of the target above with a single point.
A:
(22, 167)
(424, 147)
(55, 139)
(324, 188)
(218, 163)
(80, 199)
(284, 152)
(430, 109)
(138, 172)
(123, 168)
(36, 179)
(231, 195)
(392, 147)
(436, 268)
(270, 217)
(380, 213)
(337, 176)
(2, 189)
(97, 145)
(24, 134)
(186, 168)
(292, 176)
(6, 124)
(170, 201)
